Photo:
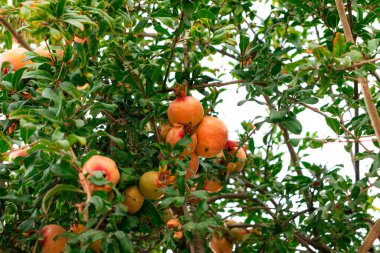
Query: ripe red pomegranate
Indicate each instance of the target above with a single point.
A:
(185, 109)
(48, 244)
(212, 136)
(177, 133)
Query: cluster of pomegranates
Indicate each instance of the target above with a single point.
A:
(209, 137)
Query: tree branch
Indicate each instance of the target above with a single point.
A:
(372, 111)
(370, 238)
(359, 64)
(317, 245)
(175, 40)
(15, 34)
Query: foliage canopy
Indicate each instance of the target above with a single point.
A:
(97, 96)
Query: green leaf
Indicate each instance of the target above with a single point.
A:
(70, 89)
(56, 189)
(203, 13)
(162, 13)
(65, 171)
(201, 209)
(277, 116)
(294, 141)
(125, 242)
(150, 211)
(243, 44)
(373, 44)
(333, 124)
(293, 125)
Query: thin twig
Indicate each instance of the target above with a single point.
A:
(175, 40)
(359, 64)
(15, 34)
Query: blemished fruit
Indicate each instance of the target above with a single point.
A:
(212, 136)
(164, 130)
(17, 153)
(15, 57)
(104, 165)
(133, 199)
(185, 109)
(48, 244)
(78, 229)
(220, 244)
(177, 133)
(212, 185)
(149, 185)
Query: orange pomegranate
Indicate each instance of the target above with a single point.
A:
(193, 165)
(15, 57)
(177, 133)
(178, 234)
(167, 215)
(212, 136)
(173, 223)
(185, 109)
(79, 229)
(104, 165)
(238, 155)
(236, 233)
(212, 185)
(48, 244)
(220, 244)
(133, 199)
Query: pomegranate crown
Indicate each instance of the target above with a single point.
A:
(180, 90)
(165, 176)
(189, 129)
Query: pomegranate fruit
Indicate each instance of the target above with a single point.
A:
(185, 109)
(151, 182)
(167, 215)
(212, 136)
(15, 57)
(238, 155)
(177, 133)
(48, 243)
(133, 199)
(220, 244)
(104, 165)
(149, 185)
(79, 229)
(173, 223)
(236, 233)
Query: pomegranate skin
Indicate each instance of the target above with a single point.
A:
(176, 134)
(184, 110)
(212, 136)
